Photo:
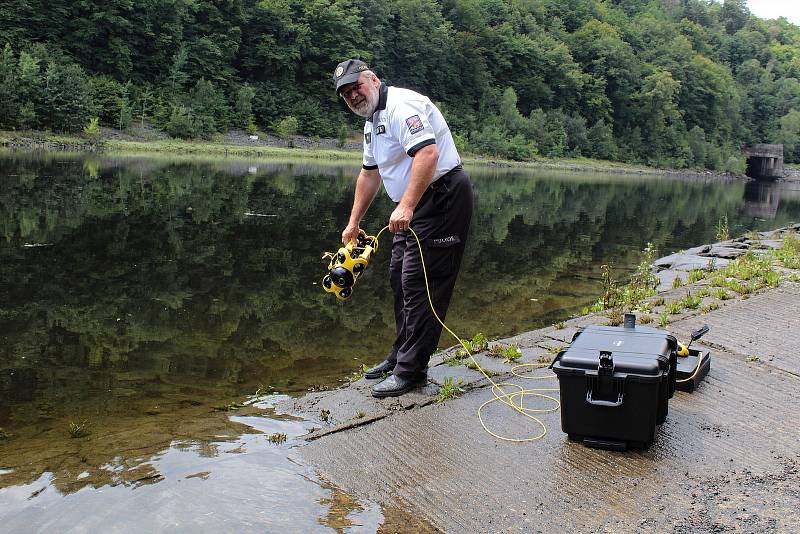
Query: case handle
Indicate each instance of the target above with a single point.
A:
(597, 402)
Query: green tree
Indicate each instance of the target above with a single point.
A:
(577, 135)
(177, 74)
(709, 98)
(92, 128)
(243, 109)
(67, 98)
(9, 97)
(512, 119)
(601, 139)
(546, 129)
(209, 108)
(789, 135)
(29, 89)
(659, 112)
(697, 144)
(287, 128)
(181, 123)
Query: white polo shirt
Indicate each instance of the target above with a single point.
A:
(404, 122)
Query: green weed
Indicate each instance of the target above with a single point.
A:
(325, 416)
(722, 231)
(276, 438)
(360, 414)
(553, 349)
(718, 281)
(663, 319)
(609, 287)
(674, 307)
(709, 307)
(789, 252)
(692, 302)
(739, 287)
(457, 358)
(79, 430)
(560, 325)
(359, 373)
(646, 318)
(677, 282)
(478, 343)
(449, 389)
(512, 353)
(703, 292)
(509, 352)
(721, 294)
(748, 266)
(696, 275)
(772, 279)
(659, 301)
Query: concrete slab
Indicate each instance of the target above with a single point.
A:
(726, 458)
(716, 444)
(765, 326)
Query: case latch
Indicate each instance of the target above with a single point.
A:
(604, 390)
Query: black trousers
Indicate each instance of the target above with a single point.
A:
(441, 220)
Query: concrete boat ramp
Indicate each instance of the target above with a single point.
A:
(725, 460)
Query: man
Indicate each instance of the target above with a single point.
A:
(408, 145)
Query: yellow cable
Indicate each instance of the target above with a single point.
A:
(700, 359)
(507, 398)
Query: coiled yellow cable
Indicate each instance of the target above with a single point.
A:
(514, 399)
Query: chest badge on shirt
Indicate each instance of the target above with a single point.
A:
(381, 129)
(368, 138)
(414, 124)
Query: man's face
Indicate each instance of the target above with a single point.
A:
(362, 96)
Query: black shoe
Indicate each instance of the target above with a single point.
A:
(379, 370)
(394, 386)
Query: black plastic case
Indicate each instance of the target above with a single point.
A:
(688, 375)
(615, 385)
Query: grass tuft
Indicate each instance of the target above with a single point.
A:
(277, 438)
(79, 430)
(449, 389)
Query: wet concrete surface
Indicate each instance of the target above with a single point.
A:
(725, 460)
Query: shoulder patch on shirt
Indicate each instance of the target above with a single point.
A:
(414, 124)
(368, 138)
(381, 129)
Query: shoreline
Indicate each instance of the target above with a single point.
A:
(236, 144)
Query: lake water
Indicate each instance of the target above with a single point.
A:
(144, 300)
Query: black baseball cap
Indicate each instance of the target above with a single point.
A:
(348, 72)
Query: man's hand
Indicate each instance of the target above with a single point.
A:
(422, 169)
(350, 233)
(400, 219)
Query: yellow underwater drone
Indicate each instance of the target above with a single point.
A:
(348, 264)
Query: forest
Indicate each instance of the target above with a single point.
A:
(668, 83)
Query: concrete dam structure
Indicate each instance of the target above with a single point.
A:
(764, 161)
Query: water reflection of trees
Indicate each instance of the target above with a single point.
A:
(155, 287)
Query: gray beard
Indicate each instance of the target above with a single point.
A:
(366, 114)
(370, 105)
